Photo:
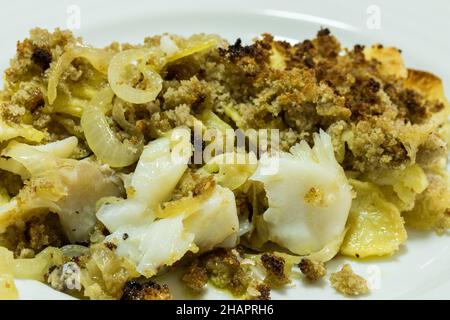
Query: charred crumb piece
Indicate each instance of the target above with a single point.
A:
(264, 292)
(237, 50)
(363, 99)
(323, 32)
(301, 54)
(250, 57)
(196, 276)
(349, 283)
(110, 245)
(276, 269)
(42, 57)
(312, 270)
(35, 234)
(150, 290)
(327, 45)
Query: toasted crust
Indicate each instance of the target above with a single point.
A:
(349, 283)
(312, 270)
(390, 58)
(145, 291)
(428, 84)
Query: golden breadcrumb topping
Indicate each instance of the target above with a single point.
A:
(349, 283)
(312, 270)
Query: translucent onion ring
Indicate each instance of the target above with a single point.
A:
(118, 114)
(99, 59)
(101, 139)
(118, 81)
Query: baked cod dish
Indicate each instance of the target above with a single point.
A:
(244, 168)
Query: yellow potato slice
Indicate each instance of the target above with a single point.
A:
(376, 227)
(8, 290)
(391, 60)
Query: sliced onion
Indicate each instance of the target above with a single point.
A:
(27, 160)
(74, 250)
(167, 45)
(99, 59)
(118, 114)
(101, 139)
(11, 131)
(193, 46)
(15, 167)
(118, 76)
(119, 80)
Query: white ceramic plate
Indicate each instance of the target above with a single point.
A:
(419, 28)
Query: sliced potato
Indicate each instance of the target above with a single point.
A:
(376, 227)
(432, 207)
(8, 290)
(400, 187)
(391, 60)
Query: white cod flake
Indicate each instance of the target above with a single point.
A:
(158, 171)
(153, 246)
(309, 196)
(207, 223)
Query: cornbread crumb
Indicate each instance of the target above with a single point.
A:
(312, 270)
(195, 277)
(276, 269)
(264, 292)
(349, 283)
(150, 290)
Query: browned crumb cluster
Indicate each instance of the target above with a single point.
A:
(35, 234)
(264, 292)
(277, 273)
(196, 276)
(223, 268)
(312, 270)
(269, 84)
(134, 290)
(349, 283)
(226, 269)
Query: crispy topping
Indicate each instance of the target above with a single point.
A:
(275, 268)
(349, 283)
(312, 270)
(264, 292)
(150, 290)
(196, 276)
(110, 245)
(42, 57)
